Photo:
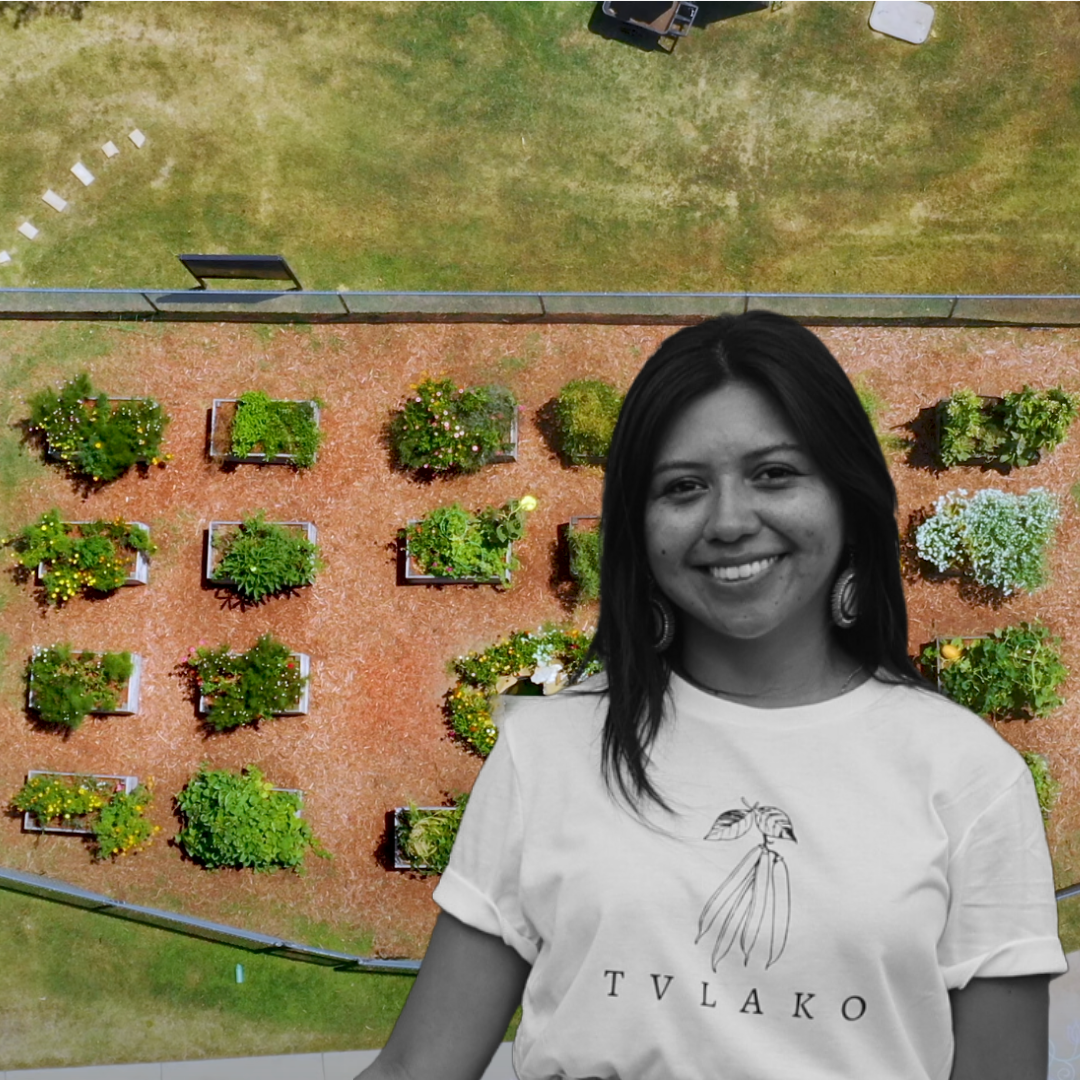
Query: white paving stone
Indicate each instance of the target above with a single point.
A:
(28, 230)
(4, 257)
(83, 173)
(57, 202)
(110, 149)
(137, 137)
(907, 20)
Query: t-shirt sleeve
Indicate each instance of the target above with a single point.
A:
(481, 886)
(1002, 918)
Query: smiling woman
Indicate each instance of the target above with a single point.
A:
(760, 809)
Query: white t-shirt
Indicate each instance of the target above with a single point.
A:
(831, 871)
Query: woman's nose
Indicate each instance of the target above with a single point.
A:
(732, 514)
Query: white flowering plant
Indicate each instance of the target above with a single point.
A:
(998, 538)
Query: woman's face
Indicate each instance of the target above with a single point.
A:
(743, 534)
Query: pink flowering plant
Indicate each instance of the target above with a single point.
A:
(442, 427)
(248, 687)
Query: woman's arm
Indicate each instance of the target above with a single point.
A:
(1001, 1028)
(457, 1012)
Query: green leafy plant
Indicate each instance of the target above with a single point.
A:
(425, 836)
(584, 545)
(1013, 430)
(94, 437)
(998, 538)
(239, 820)
(585, 413)
(1015, 673)
(261, 558)
(67, 685)
(273, 427)
(451, 542)
(115, 818)
(248, 687)
(95, 556)
(442, 427)
(549, 658)
(1046, 787)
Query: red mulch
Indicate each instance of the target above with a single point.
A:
(374, 738)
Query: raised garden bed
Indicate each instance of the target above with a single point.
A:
(140, 561)
(128, 705)
(222, 416)
(303, 703)
(218, 530)
(422, 847)
(107, 783)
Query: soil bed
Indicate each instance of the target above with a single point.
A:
(375, 737)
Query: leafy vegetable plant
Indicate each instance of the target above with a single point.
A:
(585, 414)
(261, 558)
(248, 687)
(584, 545)
(67, 685)
(453, 543)
(1014, 673)
(240, 820)
(94, 437)
(442, 427)
(1000, 539)
(1046, 787)
(93, 556)
(425, 836)
(272, 427)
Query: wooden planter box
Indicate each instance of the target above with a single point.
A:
(140, 569)
(127, 706)
(400, 862)
(125, 784)
(414, 577)
(302, 705)
(51, 455)
(221, 416)
(217, 526)
(510, 455)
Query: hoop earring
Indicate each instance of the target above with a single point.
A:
(663, 622)
(844, 602)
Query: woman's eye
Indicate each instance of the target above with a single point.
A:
(776, 472)
(682, 487)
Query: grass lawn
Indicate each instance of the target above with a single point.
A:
(504, 146)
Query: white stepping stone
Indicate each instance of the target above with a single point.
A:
(110, 149)
(28, 230)
(4, 258)
(137, 137)
(54, 200)
(904, 19)
(83, 173)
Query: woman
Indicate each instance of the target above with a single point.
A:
(759, 846)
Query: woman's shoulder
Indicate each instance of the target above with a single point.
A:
(576, 712)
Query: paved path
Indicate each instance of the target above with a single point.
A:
(1064, 1054)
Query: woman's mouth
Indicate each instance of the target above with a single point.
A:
(742, 572)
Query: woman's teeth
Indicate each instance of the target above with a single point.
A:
(738, 573)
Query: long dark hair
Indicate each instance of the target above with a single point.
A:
(797, 372)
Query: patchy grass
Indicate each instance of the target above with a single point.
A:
(504, 146)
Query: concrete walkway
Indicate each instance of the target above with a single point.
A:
(1064, 1054)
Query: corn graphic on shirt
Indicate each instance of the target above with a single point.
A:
(828, 873)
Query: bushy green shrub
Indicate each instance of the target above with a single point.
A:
(271, 427)
(239, 820)
(1000, 539)
(425, 837)
(1015, 673)
(95, 555)
(451, 542)
(94, 437)
(442, 427)
(585, 414)
(67, 685)
(584, 545)
(261, 558)
(248, 687)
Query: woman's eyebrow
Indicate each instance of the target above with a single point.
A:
(759, 452)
